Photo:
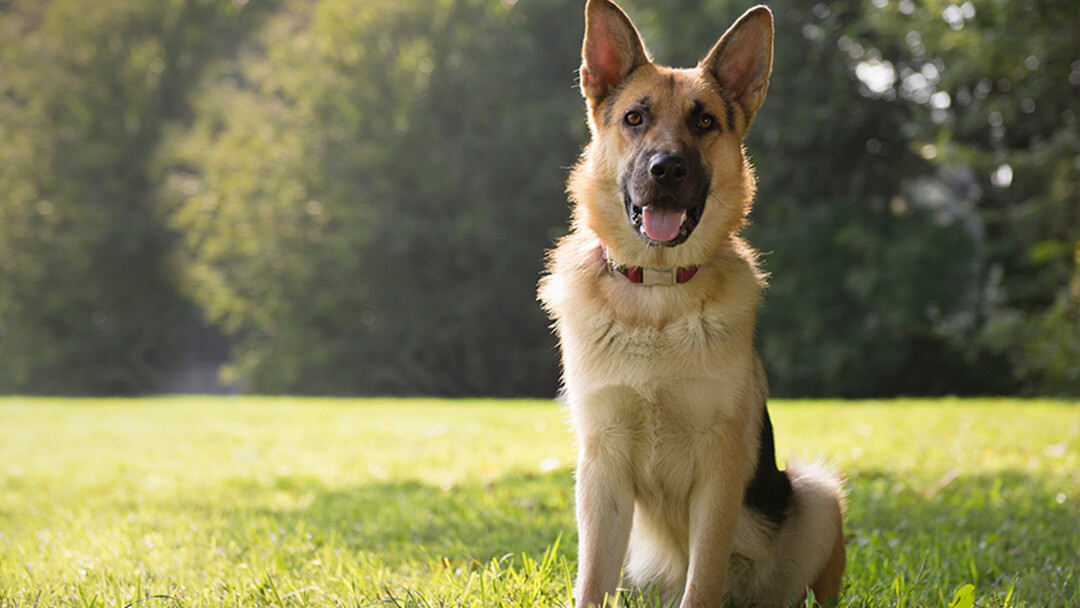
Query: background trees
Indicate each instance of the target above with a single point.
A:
(354, 197)
(87, 302)
(368, 190)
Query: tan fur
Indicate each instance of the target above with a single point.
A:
(827, 583)
(664, 384)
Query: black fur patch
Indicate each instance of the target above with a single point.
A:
(769, 492)
(695, 114)
(729, 104)
(730, 107)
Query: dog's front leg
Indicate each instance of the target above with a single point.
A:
(605, 508)
(714, 513)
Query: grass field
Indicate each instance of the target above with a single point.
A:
(304, 502)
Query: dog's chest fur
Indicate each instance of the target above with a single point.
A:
(617, 333)
(655, 376)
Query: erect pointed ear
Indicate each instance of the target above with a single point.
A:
(612, 49)
(742, 60)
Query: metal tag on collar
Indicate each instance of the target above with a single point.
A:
(658, 278)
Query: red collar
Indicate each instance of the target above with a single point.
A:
(650, 276)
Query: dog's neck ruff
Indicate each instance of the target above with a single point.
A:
(649, 277)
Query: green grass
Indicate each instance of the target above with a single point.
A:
(305, 502)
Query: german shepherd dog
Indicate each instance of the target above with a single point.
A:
(654, 295)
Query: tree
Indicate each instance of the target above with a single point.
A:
(369, 188)
(87, 303)
(995, 87)
(358, 194)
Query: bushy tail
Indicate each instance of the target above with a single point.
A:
(809, 546)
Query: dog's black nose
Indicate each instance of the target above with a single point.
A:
(668, 169)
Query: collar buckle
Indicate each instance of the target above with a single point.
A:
(657, 277)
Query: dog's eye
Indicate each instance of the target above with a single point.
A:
(705, 122)
(633, 118)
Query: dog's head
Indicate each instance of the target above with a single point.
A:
(666, 167)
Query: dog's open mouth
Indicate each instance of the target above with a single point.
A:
(663, 225)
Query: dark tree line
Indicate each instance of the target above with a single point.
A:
(342, 197)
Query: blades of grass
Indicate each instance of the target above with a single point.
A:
(1009, 594)
(273, 589)
(391, 599)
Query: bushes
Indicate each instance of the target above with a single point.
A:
(358, 194)
(87, 304)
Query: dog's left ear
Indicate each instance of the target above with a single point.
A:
(742, 60)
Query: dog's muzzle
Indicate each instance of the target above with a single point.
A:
(665, 197)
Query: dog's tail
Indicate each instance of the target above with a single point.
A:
(819, 493)
(808, 549)
(811, 545)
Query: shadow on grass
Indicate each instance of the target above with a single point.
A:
(398, 522)
(1001, 531)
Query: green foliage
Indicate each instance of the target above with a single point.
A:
(86, 302)
(994, 88)
(317, 502)
(368, 190)
(358, 194)
(859, 276)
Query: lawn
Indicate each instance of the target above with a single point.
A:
(177, 502)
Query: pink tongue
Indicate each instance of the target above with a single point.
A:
(662, 224)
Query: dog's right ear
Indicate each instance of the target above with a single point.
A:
(611, 51)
